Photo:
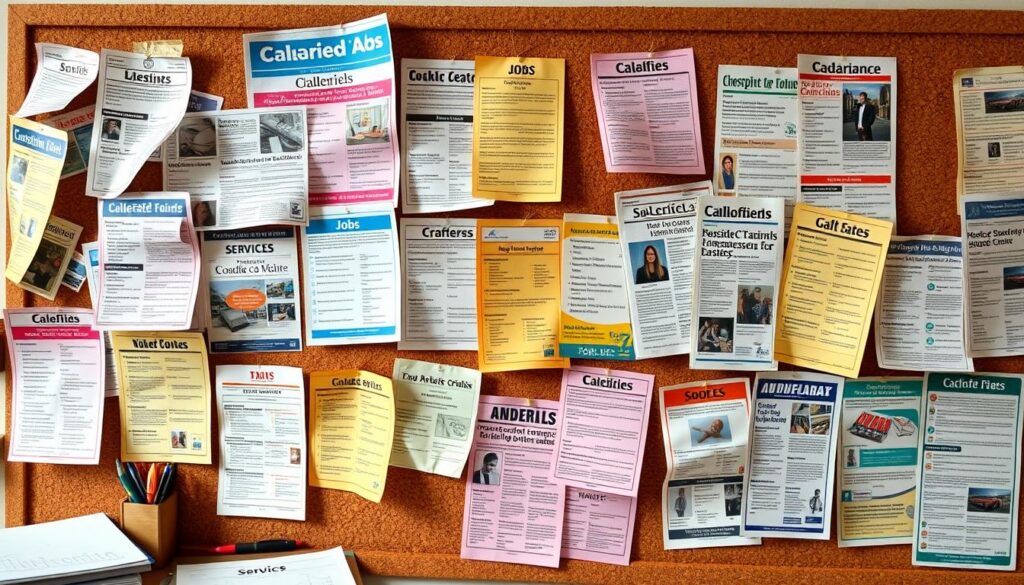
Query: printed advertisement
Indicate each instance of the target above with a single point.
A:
(49, 264)
(91, 252)
(519, 114)
(57, 391)
(197, 102)
(139, 104)
(439, 269)
(968, 496)
(252, 277)
(149, 263)
(78, 125)
(848, 134)
(830, 281)
(517, 316)
(437, 130)
(736, 278)
(435, 410)
(75, 275)
(164, 379)
(513, 448)
(243, 168)
(704, 426)
(993, 240)
(791, 462)
(351, 428)
(350, 275)
(346, 76)
(919, 319)
(61, 74)
(595, 309)
(658, 235)
(262, 469)
(603, 429)
(647, 112)
(756, 126)
(598, 527)
(989, 106)
(881, 423)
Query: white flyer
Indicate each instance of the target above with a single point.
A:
(242, 168)
(658, 234)
(880, 428)
(789, 484)
(435, 414)
(705, 428)
(848, 134)
(351, 279)
(968, 476)
(149, 263)
(139, 103)
(437, 136)
(756, 127)
(91, 252)
(262, 414)
(439, 290)
(993, 242)
(252, 279)
(736, 283)
(61, 74)
(326, 567)
(919, 319)
(57, 400)
(197, 102)
(345, 74)
(78, 125)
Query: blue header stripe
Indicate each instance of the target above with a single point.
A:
(144, 208)
(321, 54)
(790, 389)
(926, 248)
(994, 209)
(342, 224)
(41, 143)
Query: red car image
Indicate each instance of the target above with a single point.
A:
(985, 503)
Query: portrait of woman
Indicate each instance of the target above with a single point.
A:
(652, 270)
(203, 214)
(728, 176)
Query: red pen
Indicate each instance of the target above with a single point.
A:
(255, 547)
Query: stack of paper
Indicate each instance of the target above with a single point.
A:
(68, 551)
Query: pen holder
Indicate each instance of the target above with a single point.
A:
(153, 527)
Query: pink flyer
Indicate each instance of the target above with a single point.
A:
(513, 512)
(603, 429)
(598, 526)
(647, 110)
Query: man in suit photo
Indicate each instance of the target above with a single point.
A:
(488, 473)
(864, 117)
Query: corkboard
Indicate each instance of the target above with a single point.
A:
(415, 530)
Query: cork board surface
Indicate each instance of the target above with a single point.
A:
(415, 531)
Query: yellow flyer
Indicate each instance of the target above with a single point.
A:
(518, 288)
(351, 427)
(830, 279)
(519, 114)
(36, 159)
(164, 379)
(595, 306)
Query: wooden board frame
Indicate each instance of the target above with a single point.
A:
(415, 530)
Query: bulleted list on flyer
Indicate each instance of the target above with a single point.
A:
(968, 496)
(242, 168)
(848, 134)
(791, 460)
(736, 283)
(513, 448)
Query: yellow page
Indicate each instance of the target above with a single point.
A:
(164, 48)
(518, 288)
(36, 159)
(351, 428)
(518, 119)
(164, 379)
(830, 279)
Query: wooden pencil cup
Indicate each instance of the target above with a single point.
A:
(153, 527)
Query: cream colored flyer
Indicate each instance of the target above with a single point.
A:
(518, 287)
(164, 380)
(351, 428)
(830, 279)
(36, 160)
(518, 119)
(989, 107)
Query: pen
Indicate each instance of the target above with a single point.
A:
(167, 482)
(133, 474)
(126, 483)
(261, 546)
(151, 484)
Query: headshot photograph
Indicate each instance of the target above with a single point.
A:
(727, 176)
(648, 261)
(111, 129)
(488, 469)
(204, 213)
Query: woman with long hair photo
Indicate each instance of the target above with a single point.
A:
(652, 270)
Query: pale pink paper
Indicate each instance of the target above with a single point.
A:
(614, 523)
(603, 429)
(649, 119)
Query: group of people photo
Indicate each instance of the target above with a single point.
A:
(754, 305)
